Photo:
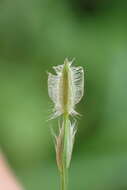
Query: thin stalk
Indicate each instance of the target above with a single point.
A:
(64, 179)
(64, 172)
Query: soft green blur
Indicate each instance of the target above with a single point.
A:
(36, 35)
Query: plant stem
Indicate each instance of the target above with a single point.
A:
(64, 179)
(64, 172)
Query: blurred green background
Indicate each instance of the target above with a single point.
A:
(34, 36)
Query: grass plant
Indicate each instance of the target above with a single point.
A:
(66, 89)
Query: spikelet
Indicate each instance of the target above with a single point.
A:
(70, 142)
(66, 88)
(59, 147)
(71, 131)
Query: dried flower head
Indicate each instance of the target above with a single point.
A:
(66, 88)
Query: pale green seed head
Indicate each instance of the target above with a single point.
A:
(66, 88)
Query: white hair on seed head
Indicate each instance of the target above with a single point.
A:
(66, 88)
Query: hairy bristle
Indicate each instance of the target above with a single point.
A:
(66, 88)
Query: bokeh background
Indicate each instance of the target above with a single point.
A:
(34, 36)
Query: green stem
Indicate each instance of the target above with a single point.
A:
(64, 179)
(64, 172)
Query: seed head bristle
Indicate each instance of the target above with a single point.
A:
(66, 88)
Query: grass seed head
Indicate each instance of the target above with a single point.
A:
(66, 88)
